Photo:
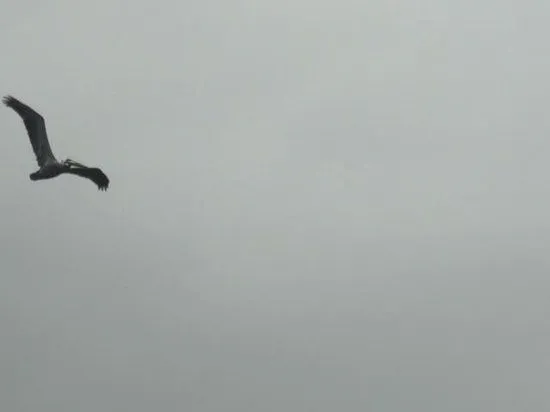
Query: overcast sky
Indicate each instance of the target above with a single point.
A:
(314, 206)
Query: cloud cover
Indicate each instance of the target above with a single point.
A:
(314, 206)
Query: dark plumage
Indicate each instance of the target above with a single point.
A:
(49, 166)
(93, 173)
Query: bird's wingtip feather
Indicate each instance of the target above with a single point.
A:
(9, 100)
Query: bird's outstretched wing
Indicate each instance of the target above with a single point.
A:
(93, 173)
(36, 129)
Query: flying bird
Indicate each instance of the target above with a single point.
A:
(50, 167)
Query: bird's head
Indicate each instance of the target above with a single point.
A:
(70, 162)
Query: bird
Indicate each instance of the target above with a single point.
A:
(50, 167)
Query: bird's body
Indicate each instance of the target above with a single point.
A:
(50, 167)
(49, 171)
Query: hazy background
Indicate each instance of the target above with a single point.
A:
(315, 206)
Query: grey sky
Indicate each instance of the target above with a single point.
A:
(314, 206)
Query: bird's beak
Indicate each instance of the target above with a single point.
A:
(71, 162)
